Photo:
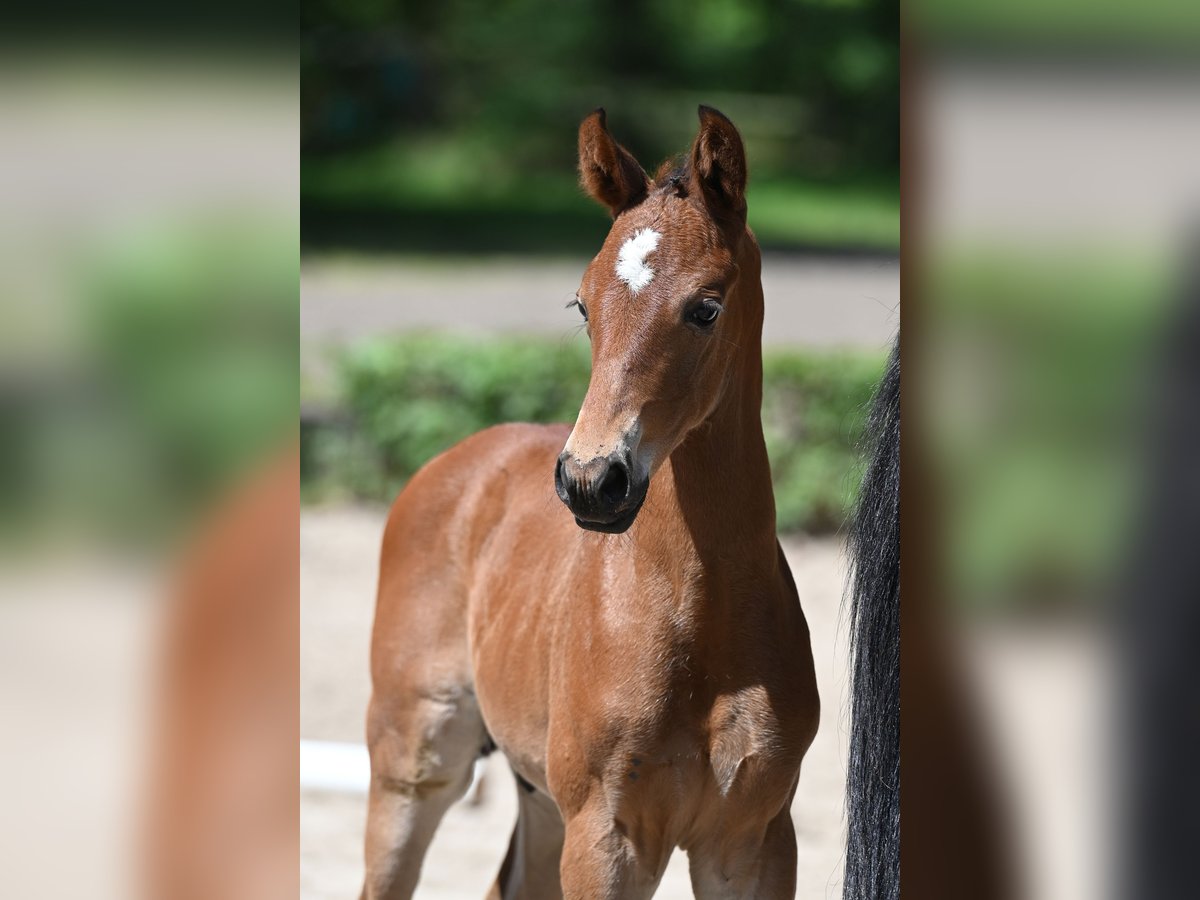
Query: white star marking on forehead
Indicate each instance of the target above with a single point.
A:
(631, 261)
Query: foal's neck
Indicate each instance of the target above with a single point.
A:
(721, 475)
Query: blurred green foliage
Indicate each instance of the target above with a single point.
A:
(409, 398)
(1060, 26)
(1035, 368)
(452, 125)
(814, 408)
(194, 332)
(183, 378)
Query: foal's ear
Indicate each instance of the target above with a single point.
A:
(719, 164)
(608, 171)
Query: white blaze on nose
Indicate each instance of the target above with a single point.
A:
(631, 261)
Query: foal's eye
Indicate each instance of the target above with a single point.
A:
(704, 313)
(578, 304)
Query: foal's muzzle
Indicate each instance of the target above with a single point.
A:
(604, 494)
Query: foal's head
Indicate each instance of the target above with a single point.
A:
(662, 313)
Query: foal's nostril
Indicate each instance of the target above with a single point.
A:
(559, 487)
(615, 486)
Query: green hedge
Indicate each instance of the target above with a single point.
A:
(409, 398)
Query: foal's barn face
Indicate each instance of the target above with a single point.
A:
(659, 306)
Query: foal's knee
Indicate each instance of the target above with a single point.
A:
(425, 745)
(422, 745)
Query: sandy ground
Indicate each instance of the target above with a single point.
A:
(1043, 690)
(339, 549)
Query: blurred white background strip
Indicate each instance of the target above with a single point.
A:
(334, 766)
(346, 768)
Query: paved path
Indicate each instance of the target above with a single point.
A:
(811, 302)
(339, 553)
(1055, 157)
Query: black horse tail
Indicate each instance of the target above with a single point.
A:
(873, 777)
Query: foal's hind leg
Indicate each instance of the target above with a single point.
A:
(530, 870)
(423, 746)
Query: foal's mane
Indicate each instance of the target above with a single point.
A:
(673, 176)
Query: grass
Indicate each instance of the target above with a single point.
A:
(1036, 372)
(1162, 25)
(449, 198)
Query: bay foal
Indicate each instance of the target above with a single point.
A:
(640, 655)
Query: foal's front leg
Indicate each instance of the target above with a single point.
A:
(760, 867)
(599, 862)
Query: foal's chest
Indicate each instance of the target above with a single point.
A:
(687, 749)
